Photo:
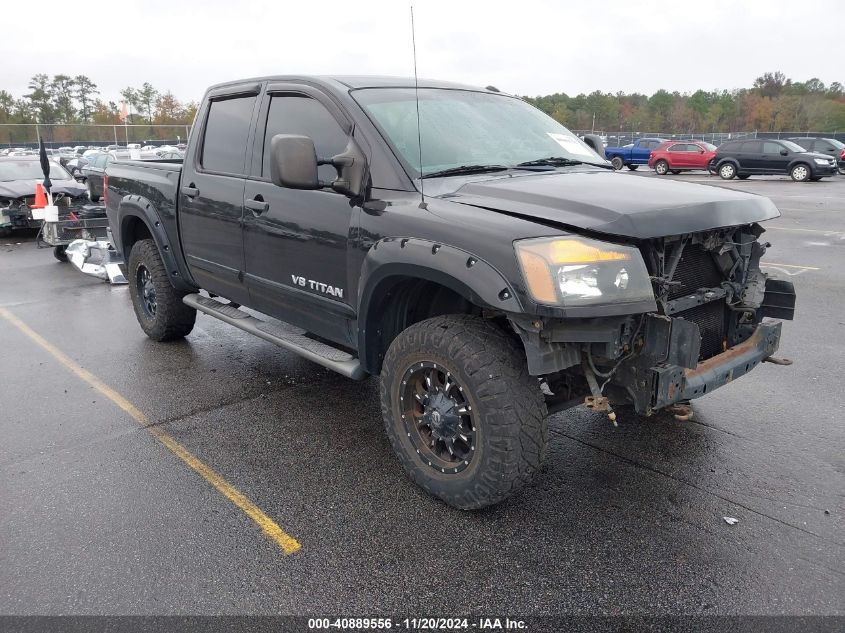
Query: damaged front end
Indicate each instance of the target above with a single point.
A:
(16, 213)
(708, 329)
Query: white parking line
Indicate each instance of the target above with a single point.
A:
(790, 270)
(824, 232)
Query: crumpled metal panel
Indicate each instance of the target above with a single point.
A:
(98, 259)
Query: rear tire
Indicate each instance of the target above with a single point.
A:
(158, 305)
(59, 252)
(727, 171)
(661, 168)
(633, 167)
(442, 366)
(800, 172)
(617, 163)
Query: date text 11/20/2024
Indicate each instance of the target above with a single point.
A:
(417, 624)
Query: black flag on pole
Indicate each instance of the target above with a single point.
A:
(45, 164)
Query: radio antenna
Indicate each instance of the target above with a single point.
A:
(417, 99)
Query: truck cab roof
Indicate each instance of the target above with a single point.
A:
(353, 82)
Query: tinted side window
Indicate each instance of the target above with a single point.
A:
(678, 147)
(298, 114)
(226, 132)
(751, 147)
(772, 148)
(806, 144)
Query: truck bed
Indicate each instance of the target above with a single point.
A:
(155, 182)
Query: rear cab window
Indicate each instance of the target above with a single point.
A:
(227, 129)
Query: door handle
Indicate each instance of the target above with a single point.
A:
(191, 191)
(257, 205)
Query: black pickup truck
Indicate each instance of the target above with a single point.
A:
(458, 243)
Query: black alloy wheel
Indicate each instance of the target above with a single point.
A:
(146, 291)
(438, 417)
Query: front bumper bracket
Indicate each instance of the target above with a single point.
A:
(676, 384)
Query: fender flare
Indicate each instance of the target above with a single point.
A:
(141, 208)
(391, 258)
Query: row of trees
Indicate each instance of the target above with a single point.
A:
(774, 103)
(73, 100)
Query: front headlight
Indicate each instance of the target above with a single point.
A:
(577, 271)
(822, 161)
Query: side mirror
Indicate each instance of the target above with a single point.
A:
(293, 162)
(784, 152)
(353, 172)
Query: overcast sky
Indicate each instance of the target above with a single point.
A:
(527, 47)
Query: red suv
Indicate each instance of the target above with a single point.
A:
(678, 156)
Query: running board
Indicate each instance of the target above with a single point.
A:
(284, 335)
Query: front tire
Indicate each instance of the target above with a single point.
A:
(744, 176)
(158, 305)
(466, 420)
(800, 173)
(727, 171)
(633, 167)
(617, 163)
(661, 168)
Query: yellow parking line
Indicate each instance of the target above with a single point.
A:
(789, 266)
(288, 544)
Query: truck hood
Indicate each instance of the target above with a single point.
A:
(617, 203)
(13, 189)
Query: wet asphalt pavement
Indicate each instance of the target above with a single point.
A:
(97, 517)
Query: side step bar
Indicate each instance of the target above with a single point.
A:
(284, 335)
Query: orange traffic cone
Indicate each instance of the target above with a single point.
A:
(40, 197)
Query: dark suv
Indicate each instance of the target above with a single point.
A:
(771, 157)
(830, 146)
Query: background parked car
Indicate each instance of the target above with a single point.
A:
(18, 179)
(633, 154)
(75, 165)
(830, 146)
(94, 172)
(771, 157)
(678, 156)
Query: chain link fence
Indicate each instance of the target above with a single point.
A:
(60, 135)
(618, 139)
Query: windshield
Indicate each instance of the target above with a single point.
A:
(837, 144)
(462, 127)
(29, 170)
(793, 147)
